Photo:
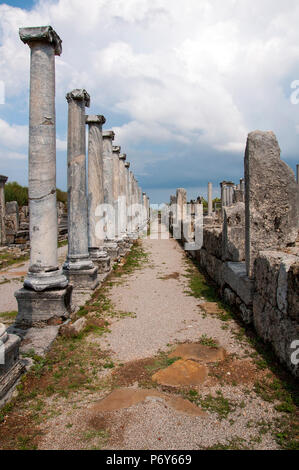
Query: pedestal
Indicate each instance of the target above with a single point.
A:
(40, 308)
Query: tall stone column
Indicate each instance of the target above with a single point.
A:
(123, 197)
(110, 244)
(3, 180)
(210, 199)
(133, 206)
(44, 295)
(78, 267)
(129, 200)
(96, 192)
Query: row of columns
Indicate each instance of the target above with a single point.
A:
(104, 217)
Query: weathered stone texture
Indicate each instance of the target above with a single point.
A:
(234, 275)
(271, 197)
(212, 240)
(276, 328)
(276, 280)
(38, 309)
(233, 235)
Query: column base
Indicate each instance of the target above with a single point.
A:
(83, 278)
(43, 280)
(39, 308)
(100, 258)
(112, 249)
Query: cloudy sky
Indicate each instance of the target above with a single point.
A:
(180, 83)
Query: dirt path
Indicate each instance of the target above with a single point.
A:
(98, 390)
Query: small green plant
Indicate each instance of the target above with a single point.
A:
(207, 341)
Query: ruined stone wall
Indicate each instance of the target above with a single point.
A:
(253, 255)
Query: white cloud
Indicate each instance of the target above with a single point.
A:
(13, 136)
(200, 74)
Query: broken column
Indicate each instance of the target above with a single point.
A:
(45, 294)
(110, 244)
(210, 199)
(78, 267)
(3, 180)
(96, 192)
(271, 198)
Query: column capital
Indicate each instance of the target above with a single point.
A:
(3, 179)
(116, 149)
(41, 34)
(108, 135)
(122, 156)
(127, 164)
(95, 119)
(79, 94)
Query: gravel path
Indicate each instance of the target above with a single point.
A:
(164, 314)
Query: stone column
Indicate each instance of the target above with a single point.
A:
(297, 174)
(210, 199)
(134, 221)
(116, 203)
(128, 201)
(96, 191)
(271, 198)
(3, 180)
(123, 197)
(78, 267)
(110, 244)
(34, 304)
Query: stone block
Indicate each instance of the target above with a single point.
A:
(277, 329)
(82, 278)
(293, 292)
(235, 276)
(276, 280)
(212, 265)
(271, 198)
(40, 308)
(212, 240)
(233, 235)
(10, 366)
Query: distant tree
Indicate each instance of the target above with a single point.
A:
(15, 192)
(61, 196)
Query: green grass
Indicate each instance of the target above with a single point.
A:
(207, 341)
(215, 404)
(8, 315)
(8, 258)
(62, 243)
(201, 288)
(161, 362)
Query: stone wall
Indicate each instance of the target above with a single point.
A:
(17, 223)
(253, 255)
